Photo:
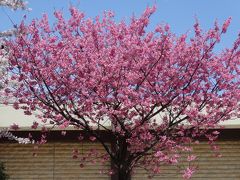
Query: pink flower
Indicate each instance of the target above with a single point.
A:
(80, 137)
(64, 125)
(15, 105)
(217, 155)
(63, 133)
(14, 127)
(92, 138)
(75, 153)
(226, 24)
(215, 132)
(188, 172)
(35, 125)
(191, 158)
(111, 172)
(27, 113)
(156, 170)
(215, 147)
(158, 154)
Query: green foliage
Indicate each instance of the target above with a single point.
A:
(3, 175)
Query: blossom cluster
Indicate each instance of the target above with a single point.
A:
(14, 4)
(4, 133)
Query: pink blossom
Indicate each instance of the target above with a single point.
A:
(158, 154)
(27, 113)
(92, 138)
(64, 125)
(226, 24)
(14, 127)
(188, 172)
(80, 137)
(111, 172)
(75, 153)
(191, 157)
(215, 132)
(215, 147)
(35, 125)
(14, 4)
(63, 133)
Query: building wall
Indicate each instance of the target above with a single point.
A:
(226, 167)
(9, 116)
(54, 161)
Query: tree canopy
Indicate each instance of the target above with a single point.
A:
(154, 92)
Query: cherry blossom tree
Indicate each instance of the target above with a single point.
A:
(152, 92)
(13, 4)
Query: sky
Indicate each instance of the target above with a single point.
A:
(179, 14)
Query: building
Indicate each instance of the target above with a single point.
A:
(54, 160)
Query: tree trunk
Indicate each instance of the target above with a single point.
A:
(123, 174)
(122, 163)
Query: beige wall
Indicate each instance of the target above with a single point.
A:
(209, 167)
(54, 161)
(8, 116)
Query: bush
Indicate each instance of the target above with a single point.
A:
(3, 175)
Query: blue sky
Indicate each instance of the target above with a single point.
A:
(179, 14)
